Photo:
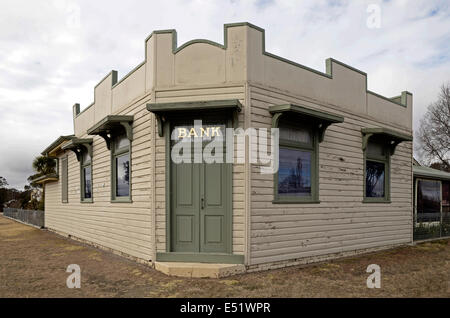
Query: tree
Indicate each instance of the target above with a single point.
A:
(44, 165)
(3, 192)
(434, 131)
(3, 182)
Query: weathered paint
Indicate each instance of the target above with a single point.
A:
(262, 232)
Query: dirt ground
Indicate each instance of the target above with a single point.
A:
(33, 263)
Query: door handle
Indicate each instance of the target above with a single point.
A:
(203, 203)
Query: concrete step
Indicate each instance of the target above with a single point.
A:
(199, 270)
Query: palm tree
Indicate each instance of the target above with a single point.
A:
(44, 165)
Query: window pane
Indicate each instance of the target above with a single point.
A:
(445, 196)
(294, 174)
(123, 176)
(121, 142)
(295, 134)
(87, 182)
(428, 200)
(375, 149)
(85, 157)
(374, 179)
(64, 179)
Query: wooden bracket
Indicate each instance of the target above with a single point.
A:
(322, 128)
(128, 129)
(107, 139)
(276, 119)
(365, 140)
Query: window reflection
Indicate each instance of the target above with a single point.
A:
(375, 179)
(87, 182)
(294, 174)
(122, 175)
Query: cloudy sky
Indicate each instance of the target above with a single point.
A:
(53, 52)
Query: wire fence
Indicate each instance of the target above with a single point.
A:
(33, 217)
(431, 225)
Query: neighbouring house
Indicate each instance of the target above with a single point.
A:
(431, 202)
(344, 183)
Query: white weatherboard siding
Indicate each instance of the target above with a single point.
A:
(199, 94)
(266, 234)
(340, 222)
(125, 227)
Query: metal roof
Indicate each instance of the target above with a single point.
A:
(420, 171)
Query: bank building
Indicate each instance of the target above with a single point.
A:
(344, 183)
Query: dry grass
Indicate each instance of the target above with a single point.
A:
(33, 264)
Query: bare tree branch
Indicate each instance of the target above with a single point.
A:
(434, 131)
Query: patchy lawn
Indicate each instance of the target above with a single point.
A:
(33, 264)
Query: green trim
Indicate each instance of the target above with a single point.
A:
(376, 200)
(314, 149)
(78, 145)
(430, 173)
(46, 178)
(57, 142)
(163, 110)
(84, 165)
(392, 137)
(109, 123)
(387, 176)
(65, 179)
(128, 74)
(75, 109)
(166, 126)
(113, 155)
(113, 74)
(394, 100)
(320, 118)
(308, 112)
(168, 192)
(275, 201)
(108, 127)
(328, 62)
(233, 104)
(200, 258)
(204, 41)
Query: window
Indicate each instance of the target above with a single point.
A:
(428, 200)
(296, 180)
(376, 172)
(446, 196)
(86, 177)
(64, 180)
(121, 173)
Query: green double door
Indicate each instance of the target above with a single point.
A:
(200, 199)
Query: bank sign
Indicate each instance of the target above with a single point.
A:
(200, 143)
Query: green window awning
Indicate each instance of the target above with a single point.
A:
(56, 145)
(320, 118)
(164, 110)
(78, 145)
(391, 137)
(46, 178)
(110, 125)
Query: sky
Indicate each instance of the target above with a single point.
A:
(53, 52)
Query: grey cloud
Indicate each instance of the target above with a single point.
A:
(52, 53)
